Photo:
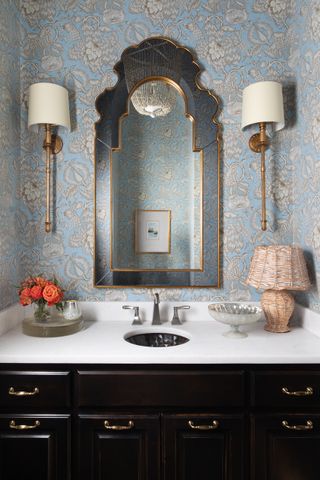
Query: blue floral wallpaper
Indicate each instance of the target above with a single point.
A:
(76, 43)
(305, 150)
(9, 152)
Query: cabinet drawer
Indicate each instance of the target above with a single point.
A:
(160, 388)
(285, 389)
(35, 389)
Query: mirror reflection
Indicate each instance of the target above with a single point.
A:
(156, 185)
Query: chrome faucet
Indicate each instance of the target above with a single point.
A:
(156, 314)
(136, 319)
(176, 320)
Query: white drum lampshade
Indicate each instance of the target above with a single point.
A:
(263, 102)
(48, 103)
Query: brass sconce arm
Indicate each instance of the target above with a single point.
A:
(52, 145)
(258, 143)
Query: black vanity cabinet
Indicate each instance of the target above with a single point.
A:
(288, 450)
(34, 447)
(159, 422)
(203, 446)
(116, 447)
(285, 428)
(34, 426)
(155, 447)
(153, 436)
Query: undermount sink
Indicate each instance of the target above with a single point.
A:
(156, 339)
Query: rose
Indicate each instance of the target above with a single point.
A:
(36, 292)
(40, 281)
(25, 297)
(52, 294)
(27, 283)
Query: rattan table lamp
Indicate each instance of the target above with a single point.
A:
(278, 268)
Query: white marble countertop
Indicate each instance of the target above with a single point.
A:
(102, 341)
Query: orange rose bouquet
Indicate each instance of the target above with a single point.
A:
(44, 293)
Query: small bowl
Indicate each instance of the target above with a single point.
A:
(235, 314)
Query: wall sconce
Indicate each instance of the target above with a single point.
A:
(262, 103)
(49, 106)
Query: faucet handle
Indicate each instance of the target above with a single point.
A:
(136, 319)
(175, 319)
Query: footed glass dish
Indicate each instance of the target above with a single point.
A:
(235, 315)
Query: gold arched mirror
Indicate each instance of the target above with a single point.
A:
(157, 156)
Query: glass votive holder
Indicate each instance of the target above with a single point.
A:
(71, 310)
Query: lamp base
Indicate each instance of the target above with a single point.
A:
(278, 306)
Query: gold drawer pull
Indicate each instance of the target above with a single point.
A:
(213, 426)
(118, 427)
(299, 393)
(308, 426)
(23, 393)
(13, 425)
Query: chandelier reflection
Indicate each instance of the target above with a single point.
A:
(154, 98)
(154, 64)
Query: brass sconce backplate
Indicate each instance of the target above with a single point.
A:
(56, 144)
(255, 143)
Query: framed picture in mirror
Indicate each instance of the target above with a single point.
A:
(152, 231)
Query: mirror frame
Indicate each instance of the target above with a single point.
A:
(202, 108)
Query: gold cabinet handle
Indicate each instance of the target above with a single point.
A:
(299, 393)
(307, 426)
(118, 427)
(13, 425)
(23, 393)
(213, 426)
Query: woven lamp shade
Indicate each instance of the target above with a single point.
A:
(280, 267)
(277, 268)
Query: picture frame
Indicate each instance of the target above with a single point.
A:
(153, 231)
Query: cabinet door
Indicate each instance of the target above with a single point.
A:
(118, 447)
(285, 447)
(34, 447)
(204, 446)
